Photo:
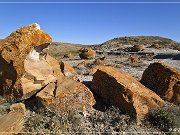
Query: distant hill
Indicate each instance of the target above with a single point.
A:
(143, 40)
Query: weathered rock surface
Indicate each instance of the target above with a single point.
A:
(121, 90)
(87, 53)
(11, 123)
(66, 94)
(24, 65)
(163, 80)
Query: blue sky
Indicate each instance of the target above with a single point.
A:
(93, 23)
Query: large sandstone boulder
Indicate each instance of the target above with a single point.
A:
(87, 53)
(24, 65)
(122, 90)
(163, 80)
(11, 123)
(66, 95)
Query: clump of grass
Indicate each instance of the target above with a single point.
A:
(166, 118)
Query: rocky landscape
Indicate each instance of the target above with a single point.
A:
(126, 85)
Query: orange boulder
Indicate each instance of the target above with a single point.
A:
(122, 90)
(11, 123)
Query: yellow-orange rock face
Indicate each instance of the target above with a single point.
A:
(66, 95)
(87, 53)
(122, 90)
(28, 41)
(163, 80)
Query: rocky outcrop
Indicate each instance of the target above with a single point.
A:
(87, 53)
(163, 80)
(122, 90)
(66, 95)
(25, 66)
(11, 123)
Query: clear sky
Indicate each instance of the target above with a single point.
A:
(93, 23)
